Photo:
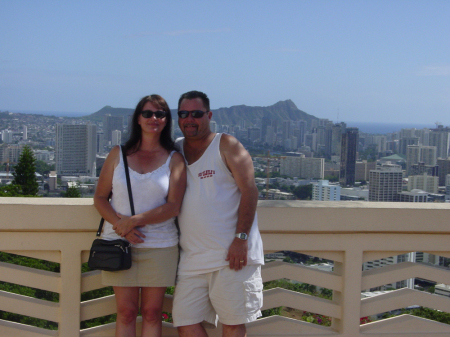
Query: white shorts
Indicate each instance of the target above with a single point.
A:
(232, 297)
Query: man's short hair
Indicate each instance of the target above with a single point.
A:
(195, 94)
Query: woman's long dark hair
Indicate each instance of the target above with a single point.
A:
(134, 142)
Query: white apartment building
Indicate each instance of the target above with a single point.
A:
(413, 196)
(44, 155)
(428, 155)
(412, 156)
(410, 257)
(7, 136)
(116, 138)
(440, 138)
(213, 126)
(385, 182)
(423, 182)
(323, 191)
(380, 141)
(75, 150)
(10, 153)
(302, 167)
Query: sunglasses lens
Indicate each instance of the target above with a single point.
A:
(195, 114)
(147, 113)
(183, 114)
(160, 114)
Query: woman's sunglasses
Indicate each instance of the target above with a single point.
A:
(158, 114)
(195, 114)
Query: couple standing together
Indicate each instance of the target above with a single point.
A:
(209, 184)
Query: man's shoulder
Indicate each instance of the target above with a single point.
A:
(229, 144)
(178, 143)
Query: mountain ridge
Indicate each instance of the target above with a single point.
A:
(281, 110)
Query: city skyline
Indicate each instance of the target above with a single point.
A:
(345, 61)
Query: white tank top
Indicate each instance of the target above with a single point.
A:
(149, 191)
(208, 216)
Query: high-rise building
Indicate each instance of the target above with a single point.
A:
(24, 132)
(75, 150)
(116, 138)
(287, 129)
(323, 191)
(444, 169)
(404, 142)
(213, 126)
(270, 137)
(265, 122)
(333, 135)
(349, 146)
(423, 182)
(389, 261)
(385, 183)
(424, 136)
(363, 168)
(111, 123)
(412, 157)
(440, 138)
(302, 125)
(311, 140)
(420, 168)
(380, 142)
(254, 134)
(428, 155)
(302, 167)
(7, 136)
(10, 153)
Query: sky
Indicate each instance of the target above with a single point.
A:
(368, 61)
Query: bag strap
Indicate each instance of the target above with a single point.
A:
(127, 174)
(130, 195)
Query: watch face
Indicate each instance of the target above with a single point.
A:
(242, 236)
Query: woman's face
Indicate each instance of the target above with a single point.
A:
(151, 124)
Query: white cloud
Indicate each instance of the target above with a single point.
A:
(435, 71)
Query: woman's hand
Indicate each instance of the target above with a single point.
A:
(135, 236)
(125, 224)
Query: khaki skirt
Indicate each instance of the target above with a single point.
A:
(151, 267)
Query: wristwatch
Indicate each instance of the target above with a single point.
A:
(242, 236)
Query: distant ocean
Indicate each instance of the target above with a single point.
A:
(52, 113)
(383, 128)
(375, 128)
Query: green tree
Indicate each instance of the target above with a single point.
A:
(303, 192)
(43, 168)
(25, 173)
(10, 191)
(72, 192)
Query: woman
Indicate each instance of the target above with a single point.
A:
(158, 182)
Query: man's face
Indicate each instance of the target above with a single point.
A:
(194, 127)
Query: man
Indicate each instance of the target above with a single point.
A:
(219, 274)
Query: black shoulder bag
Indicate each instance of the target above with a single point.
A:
(115, 254)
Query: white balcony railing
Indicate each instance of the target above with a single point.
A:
(348, 233)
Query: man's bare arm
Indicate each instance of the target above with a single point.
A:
(239, 162)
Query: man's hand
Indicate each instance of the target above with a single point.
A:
(237, 254)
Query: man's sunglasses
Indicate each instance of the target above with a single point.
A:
(195, 114)
(158, 114)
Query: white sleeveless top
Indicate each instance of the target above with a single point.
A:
(149, 191)
(209, 213)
